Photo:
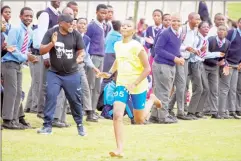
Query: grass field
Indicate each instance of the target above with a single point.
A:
(201, 140)
(234, 10)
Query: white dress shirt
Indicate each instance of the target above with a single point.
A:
(43, 25)
(189, 41)
(198, 45)
(213, 31)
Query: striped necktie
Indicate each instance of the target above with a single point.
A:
(25, 43)
(220, 43)
(204, 52)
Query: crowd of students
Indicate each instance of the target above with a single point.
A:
(78, 67)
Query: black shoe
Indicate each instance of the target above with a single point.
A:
(57, 123)
(192, 116)
(12, 125)
(184, 117)
(24, 123)
(216, 116)
(234, 115)
(27, 110)
(172, 113)
(91, 117)
(207, 113)
(133, 121)
(225, 116)
(168, 120)
(200, 115)
(238, 113)
(153, 120)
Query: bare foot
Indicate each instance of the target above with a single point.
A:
(157, 102)
(116, 153)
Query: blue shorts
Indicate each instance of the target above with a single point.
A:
(122, 95)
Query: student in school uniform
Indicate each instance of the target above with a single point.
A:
(188, 35)
(212, 72)
(95, 31)
(228, 83)
(20, 37)
(166, 22)
(152, 31)
(6, 16)
(199, 79)
(107, 24)
(216, 45)
(219, 19)
(32, 99)
(167, 54)
(87, 107)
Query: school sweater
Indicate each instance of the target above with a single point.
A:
(97, 39)
(214, 61)
(167, 48)
(234, 53)
(53, 18)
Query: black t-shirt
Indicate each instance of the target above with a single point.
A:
(64, 53)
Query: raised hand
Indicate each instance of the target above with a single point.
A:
(54, 37)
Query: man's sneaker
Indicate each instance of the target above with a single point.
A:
(45, 130)
(81, 130)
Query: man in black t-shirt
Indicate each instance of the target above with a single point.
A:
(65, 46)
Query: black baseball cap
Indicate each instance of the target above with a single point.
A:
(66, 18)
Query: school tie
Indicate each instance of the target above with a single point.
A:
(220, 43)
(25, 43)
(156, 30)
(177, 34)
(104, 26)
(204, 52)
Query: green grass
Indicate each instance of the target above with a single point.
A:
(234, 10)
(201, 140)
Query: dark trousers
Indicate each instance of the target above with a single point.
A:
(72, 89)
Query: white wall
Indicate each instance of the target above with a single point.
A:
(122, 9)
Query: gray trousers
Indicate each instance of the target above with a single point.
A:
(61, 107)
(12, 77)
(180, 82)
(163, 82)
(212, 74)
(227, 91)
(95, 83)
(199, 87)
(238, 99)
(32, 99)
(42, 86)
(85, 90)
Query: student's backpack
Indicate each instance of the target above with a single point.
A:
(184, 32)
